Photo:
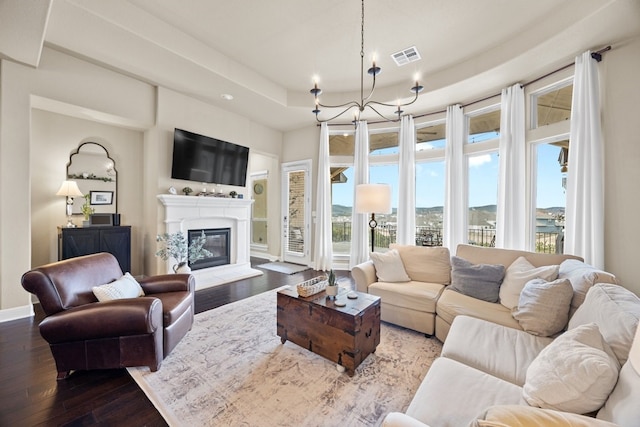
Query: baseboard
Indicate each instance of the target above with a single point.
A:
(15, 313)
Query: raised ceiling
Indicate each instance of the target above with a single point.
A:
(265, 53)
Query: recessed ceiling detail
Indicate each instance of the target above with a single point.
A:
(406, 56)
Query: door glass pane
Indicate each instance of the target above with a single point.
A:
(429, 202)
(341, 208)
(483, 127)
(259, 212)
(550, 196)
(295, 242)
(483, 198)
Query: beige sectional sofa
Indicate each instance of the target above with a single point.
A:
(425, 303)
(493, 375)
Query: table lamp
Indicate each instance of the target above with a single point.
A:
(70, 190)
(373, 199)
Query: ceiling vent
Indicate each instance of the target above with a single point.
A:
(405, 56)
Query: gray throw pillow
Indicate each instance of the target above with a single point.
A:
(543, 308)
(481, 281)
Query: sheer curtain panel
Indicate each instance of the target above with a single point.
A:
(323, 250)
(511, 216)
(584, 219)
(406, 214)
(360, 222)
(455, 204)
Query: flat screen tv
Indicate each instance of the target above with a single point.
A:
(204, 159)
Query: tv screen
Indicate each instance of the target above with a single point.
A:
(204, 159)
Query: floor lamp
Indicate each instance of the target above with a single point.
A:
(70, 190)
(373, 199)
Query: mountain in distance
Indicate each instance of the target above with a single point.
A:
(341, 210)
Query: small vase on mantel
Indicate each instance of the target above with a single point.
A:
(182, 268)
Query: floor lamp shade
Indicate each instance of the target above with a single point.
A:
(373, 198)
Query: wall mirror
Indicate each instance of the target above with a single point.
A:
(95, 172)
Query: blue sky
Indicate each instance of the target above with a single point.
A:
(483, 181)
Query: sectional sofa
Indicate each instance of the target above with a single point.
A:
(529, 339)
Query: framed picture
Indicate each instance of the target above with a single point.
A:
(101, 197)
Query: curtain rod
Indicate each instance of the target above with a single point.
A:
(597, 55)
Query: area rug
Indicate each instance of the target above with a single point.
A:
(284, 267)
(232, 370)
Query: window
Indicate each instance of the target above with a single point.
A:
(430, 137)
(483, 126)
(552, 105)
(341, 208)
(483, 198)
(386, 231)
(551, 168)
(430, 177)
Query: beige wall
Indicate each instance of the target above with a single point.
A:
(53, 138)
(620, 82)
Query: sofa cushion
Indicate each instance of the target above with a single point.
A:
(543, 308)
(616, 311)
(453, 394)
(622, 405)
(503, 352)
(518, 274)
(419, 296)
(452, 303)
(582, 277)
(124, 287)
(526, 416)
(425, 264)
(480, 281)
(389, 266)
(575, 373)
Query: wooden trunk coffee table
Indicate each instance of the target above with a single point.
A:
(345, 335)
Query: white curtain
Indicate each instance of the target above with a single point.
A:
(455, 204)
(406, 214)
(360, 222)
(511, 217)
(323, 249)
(584, 218)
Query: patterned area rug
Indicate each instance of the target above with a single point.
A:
(232, 370)
(284, 267)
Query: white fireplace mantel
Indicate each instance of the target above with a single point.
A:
(184, 213)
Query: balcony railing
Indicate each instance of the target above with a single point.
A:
(385, 234)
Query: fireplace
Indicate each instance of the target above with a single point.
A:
(217, 241)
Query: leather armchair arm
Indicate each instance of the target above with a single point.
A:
(168, 283)
(123, 317)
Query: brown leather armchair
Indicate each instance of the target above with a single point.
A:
(86, 334)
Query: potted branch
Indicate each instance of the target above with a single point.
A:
(175, 247)
(86, 209)
(332, 285)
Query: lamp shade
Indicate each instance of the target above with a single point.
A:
(373, 198)
(69, 189)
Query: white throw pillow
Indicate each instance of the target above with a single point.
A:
(389, 266)
(124, 287)
(518, 274)
(543, 307)
(616, 311)
(575, 373)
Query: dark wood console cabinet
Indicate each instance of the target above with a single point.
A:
(73, 242)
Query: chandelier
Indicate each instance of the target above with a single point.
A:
(364, 102)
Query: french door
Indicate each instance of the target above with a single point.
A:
(296, 212)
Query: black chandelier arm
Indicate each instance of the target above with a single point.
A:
(373, 88)
(380, 114)
(346, 104)
(334, 117)
(369, 103)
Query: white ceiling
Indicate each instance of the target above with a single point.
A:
(266, 53)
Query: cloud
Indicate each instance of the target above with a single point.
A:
(475, 161)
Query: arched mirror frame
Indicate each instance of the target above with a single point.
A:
(100, 183)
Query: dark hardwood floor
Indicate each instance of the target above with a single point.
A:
(31, 396)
